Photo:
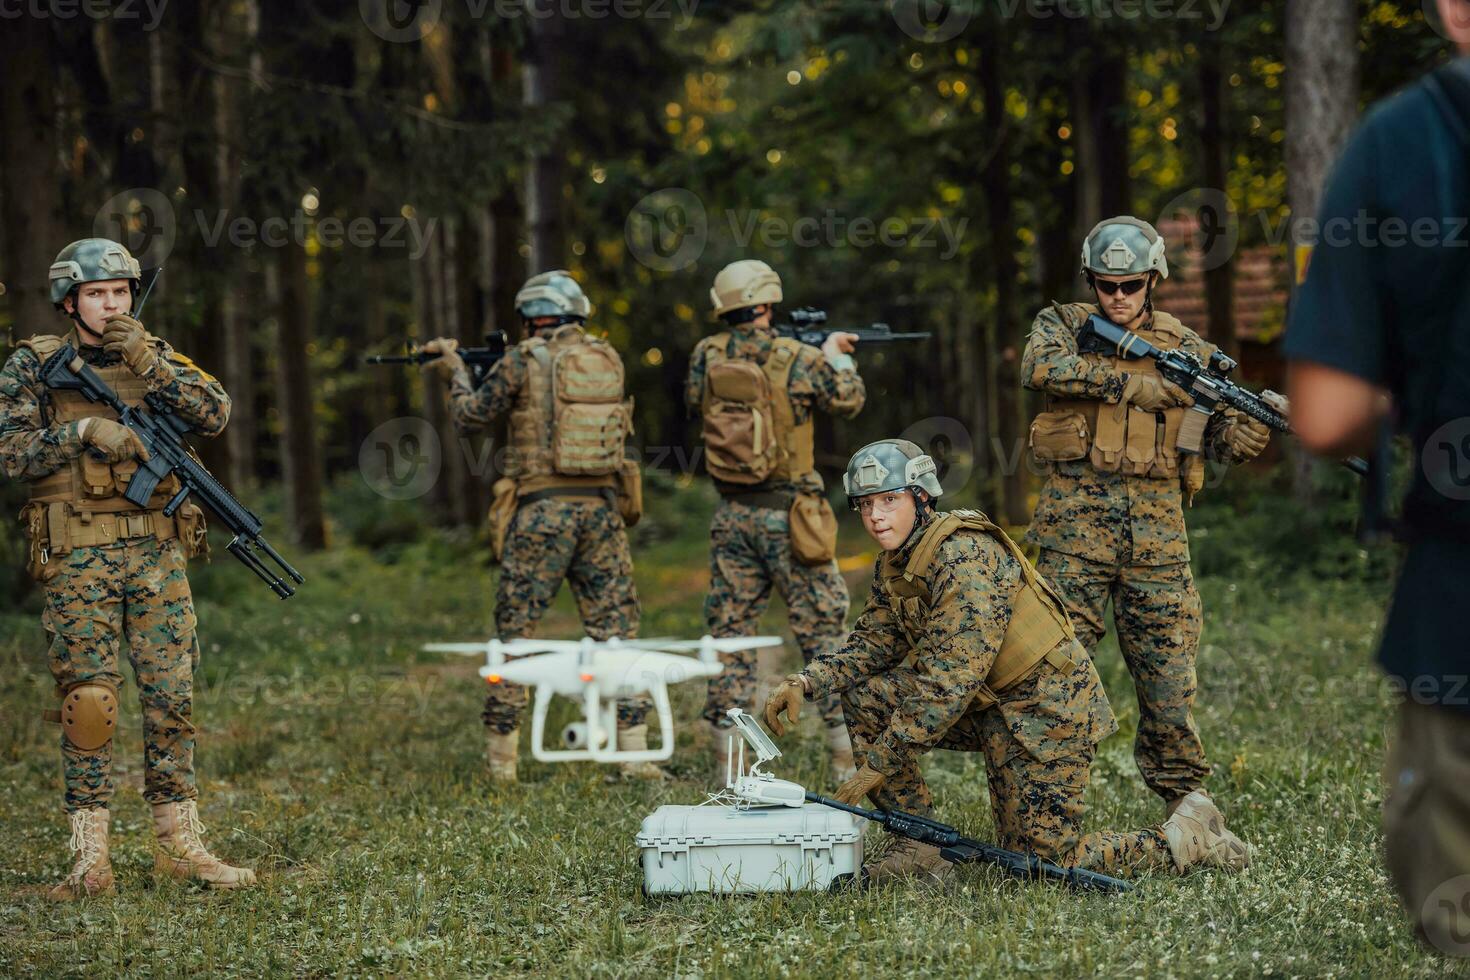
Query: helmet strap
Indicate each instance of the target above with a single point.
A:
(743, 315)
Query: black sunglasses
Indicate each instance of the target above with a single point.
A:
(1128, 287)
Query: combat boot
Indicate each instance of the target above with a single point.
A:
(92, 874)
(840, 747)
(634, 738)
(1196, 835)
(909, 860)
(181, 852)
(501, 752)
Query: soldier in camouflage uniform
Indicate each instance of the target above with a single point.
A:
(963, 646)
(751, 535)
(564, 526)
(109, 569)
(1110, 520)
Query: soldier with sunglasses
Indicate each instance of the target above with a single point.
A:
(1110, 519)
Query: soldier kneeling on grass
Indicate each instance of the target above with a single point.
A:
(963, 646)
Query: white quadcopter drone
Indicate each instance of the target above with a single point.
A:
(599, 673)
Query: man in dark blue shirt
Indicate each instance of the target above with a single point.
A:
(1382, 324)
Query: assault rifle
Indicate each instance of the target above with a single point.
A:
(1207, 384)
(957, 849)
(809, 325)
(479, 360)
(161, 431)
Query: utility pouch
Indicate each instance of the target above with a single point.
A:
(813, 529)
(97, 477)
(1059, 436)
(1166, 453)
(1107, 441)
(192, 530)
(630, 492)
(39, 563)
(503, 504)
(1142, 436)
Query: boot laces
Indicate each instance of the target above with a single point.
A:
(86, 844)
(191, 828)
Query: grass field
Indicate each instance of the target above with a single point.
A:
(345, 766)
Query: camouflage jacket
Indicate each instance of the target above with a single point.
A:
(1110, 518)
(814, 384)
(473, 408)
(31, 446)
(972, 584)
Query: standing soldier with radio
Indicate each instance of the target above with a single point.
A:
(1124, 452)
(110, 569)
(568, 495)
(755, 393)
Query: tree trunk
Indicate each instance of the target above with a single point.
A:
(541, 84)
(1321, 104)
(300, 457)
(1100, 134)
(31, 233)
(995, 180)
(1220, 279)
(436, 411)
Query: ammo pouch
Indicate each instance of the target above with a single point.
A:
(503, 503)
(1057, 437)
(630, 492)
(192, 530)
(813, 529)
(38, 558)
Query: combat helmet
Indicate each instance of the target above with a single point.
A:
(556, 294)
(890, 464)
(1123, 246)
(91, 260)
(741, 285)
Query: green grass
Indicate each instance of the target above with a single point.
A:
(345, 766)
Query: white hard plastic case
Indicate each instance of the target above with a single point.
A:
(727, 849)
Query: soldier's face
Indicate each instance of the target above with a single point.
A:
(96, 301)
(1114, 298)
(888, 517)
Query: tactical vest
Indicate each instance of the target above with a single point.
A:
(570, 421)
(1039, 627)
(1132, 441)
(82, 503)
(789, 448)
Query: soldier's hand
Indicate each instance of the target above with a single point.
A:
(1244, 436)
(448, 363)
(1152, 393)
(787, 698)
(113, 439)
(866, 781)
(125, 336)
(839, 343)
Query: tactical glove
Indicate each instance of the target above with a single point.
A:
(113, 439)
(1152, 393)
(125, 336)
(448, 363)
(855, 789)
(787, 697)
(1244, 436)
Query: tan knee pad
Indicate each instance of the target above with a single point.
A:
(89, 714)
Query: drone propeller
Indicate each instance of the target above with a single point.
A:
(723, 644)
(513, 648)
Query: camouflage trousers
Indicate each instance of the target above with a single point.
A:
(750, 553)
(1038, 743)
(581, 540)
(1156, 609)
(136, 589)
